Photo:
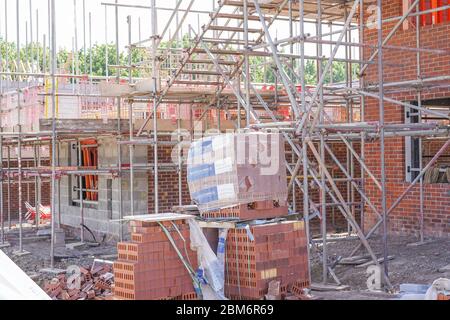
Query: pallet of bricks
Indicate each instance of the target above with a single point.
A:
(149, 267)
(226, 187)
(265, 253)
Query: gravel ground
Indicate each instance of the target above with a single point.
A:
(412, 264)
(39, 247)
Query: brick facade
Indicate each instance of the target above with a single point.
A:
(28, 190)
(400, 65)
(167, 181)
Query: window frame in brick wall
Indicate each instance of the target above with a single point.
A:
(88, 161)
(414, 150)
(428, 19)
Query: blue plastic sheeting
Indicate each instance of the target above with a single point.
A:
(206, 195)
(199, 148)
(201, 171)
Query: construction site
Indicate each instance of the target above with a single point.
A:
(225, 150)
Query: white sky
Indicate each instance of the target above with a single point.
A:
(65, 29)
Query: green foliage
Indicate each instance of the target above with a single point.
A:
(261, 68)
(310, 72)
(311, 78)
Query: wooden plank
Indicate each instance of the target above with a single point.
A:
(354, 262)
(381, 260)
(193, 209)
(217, 224)
(159, 217)
(327, 287)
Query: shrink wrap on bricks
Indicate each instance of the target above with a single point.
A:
(232, 169)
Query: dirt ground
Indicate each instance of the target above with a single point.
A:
(39, 247)
(412, 264)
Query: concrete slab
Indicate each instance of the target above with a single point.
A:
(413, 288)
(21, 253)
(109, 256)
(44, 232)
(34, 275)
(420, 243)
(4, 245)
(75, 245)
(445, 269)
(327, 287)
(54, 271)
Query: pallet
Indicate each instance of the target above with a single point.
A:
(253, 210)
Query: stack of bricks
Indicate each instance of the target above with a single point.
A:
(444, 297)
(277, 253)
(254, 210)
(149, 267)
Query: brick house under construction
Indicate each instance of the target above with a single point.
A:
(89, 138)
(417, 78)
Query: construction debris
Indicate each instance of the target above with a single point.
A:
(327, 287)
(371, 262)
(93, 283)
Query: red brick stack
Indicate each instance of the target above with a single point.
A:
(443, 297)
(278, 252)
(255, 210)
(149, 268)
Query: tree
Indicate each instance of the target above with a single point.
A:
(261, 69)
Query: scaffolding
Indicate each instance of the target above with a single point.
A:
(210, 74)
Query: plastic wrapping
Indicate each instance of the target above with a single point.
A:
(439, 285)
(211, 270)
(236, 168)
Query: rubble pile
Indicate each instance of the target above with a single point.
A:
(90, 284)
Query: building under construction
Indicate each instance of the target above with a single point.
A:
(96, 161)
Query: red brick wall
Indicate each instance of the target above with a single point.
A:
(167, 182)
(28, 190)
(399, 66)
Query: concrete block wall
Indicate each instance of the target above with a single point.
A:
(399, 66)
(99, 218)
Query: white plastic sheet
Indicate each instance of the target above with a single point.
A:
(441, 284)
(15, 284)
(210, 267)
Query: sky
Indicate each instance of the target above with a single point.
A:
(65, 21)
